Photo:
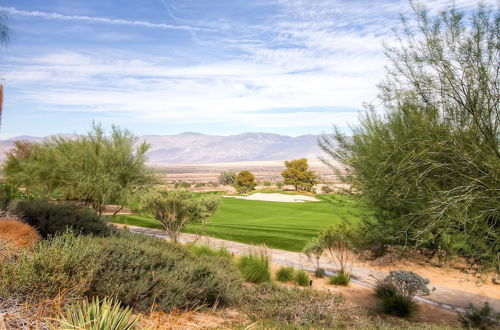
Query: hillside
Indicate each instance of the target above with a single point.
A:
(195, 148)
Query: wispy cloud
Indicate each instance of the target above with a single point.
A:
(92, 19)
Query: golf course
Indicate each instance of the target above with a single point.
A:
(287, 226)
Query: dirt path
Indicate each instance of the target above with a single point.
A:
(449, 298)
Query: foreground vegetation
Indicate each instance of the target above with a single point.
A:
(428, 163)
(287, 226)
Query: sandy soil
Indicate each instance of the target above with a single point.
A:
(263, 170)
(276, 197)
(365, 297)
(445, 276)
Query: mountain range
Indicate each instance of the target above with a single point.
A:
(196, 148)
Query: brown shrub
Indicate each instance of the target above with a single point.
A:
(17, 233)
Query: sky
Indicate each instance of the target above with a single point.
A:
(210, 66)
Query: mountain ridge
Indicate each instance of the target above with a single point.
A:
(198, 148)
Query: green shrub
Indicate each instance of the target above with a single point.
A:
(480, 318)
(340, 279)
(206, 250)
(9, 193)
(397, 291)
(50, 219)
(297, 307)
(255, 267)
(267, 183)
(66, 264)
(106, 314)
(319, 273)
(301, 278)
(182, 185)
(398, 305)
(199, 185)
(285, 274)
(143, 271)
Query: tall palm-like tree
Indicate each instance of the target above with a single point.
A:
(4, 41)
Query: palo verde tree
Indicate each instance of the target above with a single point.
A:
(429, 165)
(227, 178)
(173, 209)
(297, 174)
(95, 169)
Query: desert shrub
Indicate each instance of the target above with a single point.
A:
(301, 278)
(340, 279)
(227, 178)
(201, 250)
(326, 189)
(296, 306)
(319, 273)
(144, 271)
(267, 183)
(480, 318)
(182, 185)
(398, 290)
(280, 184)
(199, 185)
(65, 264)
(106, 314)
(17, 233)
(245, 181)
(50, 219)
(255, 267)
(284, 274)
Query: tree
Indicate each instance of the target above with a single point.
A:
(95, 169)
(429, 166)
(338, 242)
(245, 181)
(175, 208)
(227, 178)
(297, 174)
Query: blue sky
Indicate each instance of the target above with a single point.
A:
(211, 66)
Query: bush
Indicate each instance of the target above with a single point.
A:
(301, 278)
(267, 183)
(17, 233)
(280, 184)
(66, 264)
(51, 219)
(397, 291)
(227, 178)
(340, 279)
(182, 185)
(206, 250)
(319, 273)
(480, 318)
(284, 274)
(98, 314)
(245, 181)
(9, 193)
(255, 267)
(296, 306)
(199, 185)
(143, 271)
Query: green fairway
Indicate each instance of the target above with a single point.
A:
(287, 226)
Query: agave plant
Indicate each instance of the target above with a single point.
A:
(105, 314)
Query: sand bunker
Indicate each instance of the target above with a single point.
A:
(275, 197)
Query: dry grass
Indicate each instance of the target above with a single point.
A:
(17, 233)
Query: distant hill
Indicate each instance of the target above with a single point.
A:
(198, 148)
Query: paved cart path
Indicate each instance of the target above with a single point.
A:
(445, 297)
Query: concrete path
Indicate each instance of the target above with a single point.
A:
(445, 297)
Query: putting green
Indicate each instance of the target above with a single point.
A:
(287, 226)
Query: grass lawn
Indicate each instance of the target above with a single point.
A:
(287, 226)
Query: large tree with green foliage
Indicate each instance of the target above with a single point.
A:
(429, 165)
(95, 169)
(176, 208)
(297, 174)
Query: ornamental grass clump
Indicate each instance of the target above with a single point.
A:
(284, 274)
(301, 278)
(255, 266)
(398, 290)
(205, 250)
(340, 279)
